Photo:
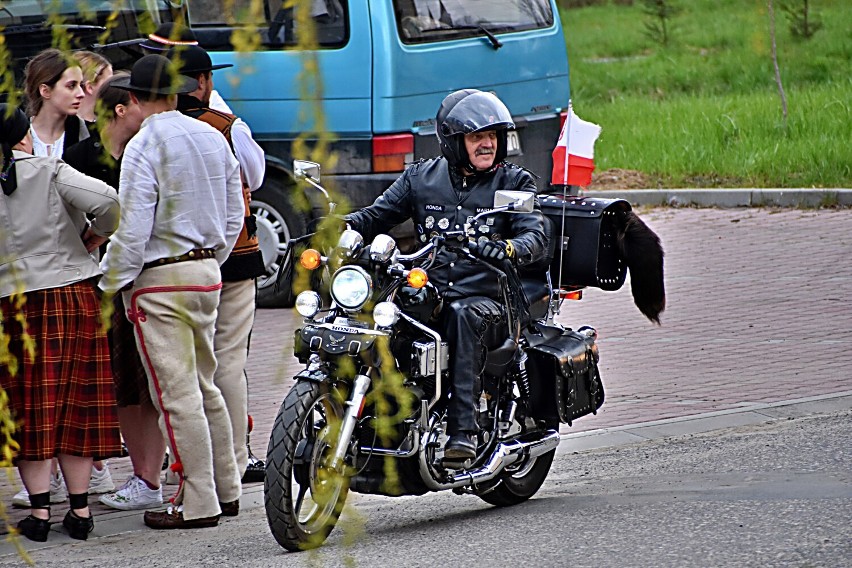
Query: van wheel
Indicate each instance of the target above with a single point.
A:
(278, 220)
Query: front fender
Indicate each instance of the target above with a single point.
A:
(313, 375)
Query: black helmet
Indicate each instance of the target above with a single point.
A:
(467, 111)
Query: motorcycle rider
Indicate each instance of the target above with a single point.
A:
(440, 195)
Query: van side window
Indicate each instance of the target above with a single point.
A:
(276, 24)
(423, 21)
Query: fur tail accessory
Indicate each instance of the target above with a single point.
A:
(643, 252)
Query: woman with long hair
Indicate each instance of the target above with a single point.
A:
(55, 91)
(53, 84)
(96, 71)
(57, 372)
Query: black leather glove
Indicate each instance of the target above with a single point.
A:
(493, 250)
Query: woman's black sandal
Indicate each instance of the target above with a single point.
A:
(32, 527)
(78, 527)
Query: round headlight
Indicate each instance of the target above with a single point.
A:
(385, 314)
(351, 287)
(308, 303)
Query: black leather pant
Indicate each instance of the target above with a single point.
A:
(470, 326)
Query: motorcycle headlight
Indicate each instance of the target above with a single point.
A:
(385, 314)
(351, 287)
(308, 303)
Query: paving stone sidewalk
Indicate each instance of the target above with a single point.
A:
(759, 311)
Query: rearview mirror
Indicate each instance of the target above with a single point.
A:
(517, 201)
(349, 242)
(304, 169)
(382, 247)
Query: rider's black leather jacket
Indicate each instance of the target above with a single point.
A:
(439, 199)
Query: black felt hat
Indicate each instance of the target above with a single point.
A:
(167, 36)
(14, 126)
(193, 60)
(154, 74)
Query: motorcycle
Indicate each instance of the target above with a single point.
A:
(368, 411)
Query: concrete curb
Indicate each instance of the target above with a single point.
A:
(757, 413)
(119, 522)
(727, 198)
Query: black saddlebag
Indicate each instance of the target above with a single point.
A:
(565, 383)
(585, 231)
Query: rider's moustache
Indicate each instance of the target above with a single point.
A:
(484, 151)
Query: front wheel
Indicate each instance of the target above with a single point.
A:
(520, 481)
(303, 494)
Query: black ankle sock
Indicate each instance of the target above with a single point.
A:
(40, 500)
(78, 500)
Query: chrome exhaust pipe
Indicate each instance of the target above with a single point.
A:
(504, 455)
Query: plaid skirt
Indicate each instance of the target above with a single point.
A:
(63, 398)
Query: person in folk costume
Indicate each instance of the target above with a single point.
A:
(165, 260)
(57, 371)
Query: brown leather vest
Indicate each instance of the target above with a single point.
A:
(246, 260)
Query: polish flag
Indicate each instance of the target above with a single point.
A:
(573, 161)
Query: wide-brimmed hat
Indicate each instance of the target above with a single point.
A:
(154, 74)
(14, 126)
(167, 36)
(193, 60)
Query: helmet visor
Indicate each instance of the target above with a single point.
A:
(479, 111)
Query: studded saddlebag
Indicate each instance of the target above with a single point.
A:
(586, 251)
(564, 379)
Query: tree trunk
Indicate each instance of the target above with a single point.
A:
(775, 61)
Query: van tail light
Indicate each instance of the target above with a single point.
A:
(563, 116)
(392, 151)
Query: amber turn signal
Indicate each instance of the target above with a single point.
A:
(311, 259)
(571, 294)
(417, 278)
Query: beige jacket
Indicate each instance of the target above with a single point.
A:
(42, 222)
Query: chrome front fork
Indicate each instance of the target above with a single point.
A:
(350, 418)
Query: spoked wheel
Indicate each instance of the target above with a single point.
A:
(520, 481)
(302, 493)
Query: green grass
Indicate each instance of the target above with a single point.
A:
(706, 111)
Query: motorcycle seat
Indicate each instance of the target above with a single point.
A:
(498, 359)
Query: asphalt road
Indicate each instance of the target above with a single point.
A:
(774, 494)
(759, 315)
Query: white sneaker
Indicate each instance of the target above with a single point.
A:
(101, 481)
(58, 493)
(134, 494)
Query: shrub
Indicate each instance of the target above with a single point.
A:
(803, 21)
(660, 13)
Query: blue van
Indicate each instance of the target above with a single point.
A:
(384, 67)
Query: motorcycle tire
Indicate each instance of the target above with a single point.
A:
(302, 495)
(519, 484)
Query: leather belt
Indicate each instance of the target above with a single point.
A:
(194, 254)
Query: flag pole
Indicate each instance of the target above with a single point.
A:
(561, 237)
(567, 135)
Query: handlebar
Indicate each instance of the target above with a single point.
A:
(436, 242)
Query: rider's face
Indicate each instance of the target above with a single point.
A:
(481, 147)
